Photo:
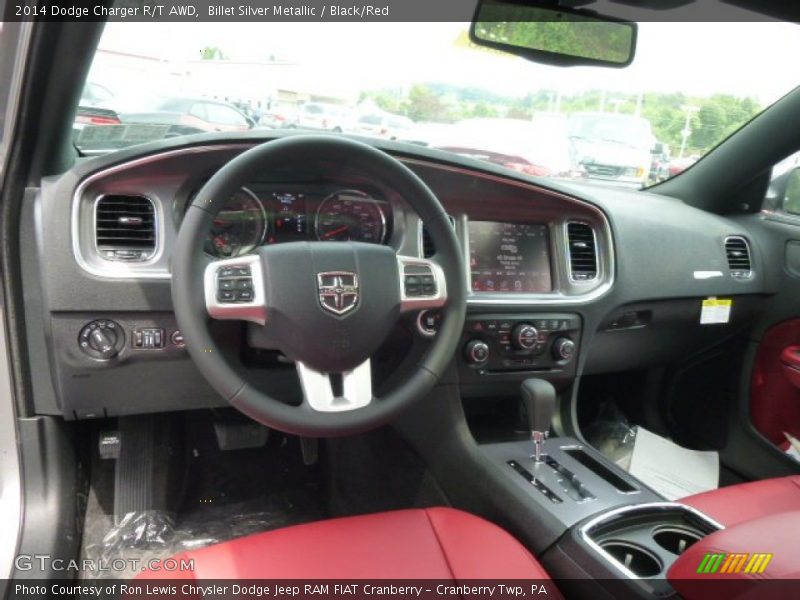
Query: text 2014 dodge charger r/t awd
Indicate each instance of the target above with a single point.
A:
(253, 347)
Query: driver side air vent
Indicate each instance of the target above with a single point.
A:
(125, 227)
(738, 253)
(582, 252)
(426, 243)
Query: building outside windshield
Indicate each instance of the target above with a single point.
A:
(689, 87)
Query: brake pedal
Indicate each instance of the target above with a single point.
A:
(237, 435)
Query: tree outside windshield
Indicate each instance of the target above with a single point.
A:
(690, 86)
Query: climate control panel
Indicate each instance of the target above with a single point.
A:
(524, 342)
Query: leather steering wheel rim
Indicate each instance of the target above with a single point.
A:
(189, 263)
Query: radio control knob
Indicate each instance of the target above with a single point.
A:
(563, 349)
(524, 336)
(476, 352)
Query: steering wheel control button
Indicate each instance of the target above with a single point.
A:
(235, 284)
(234, 289)
(419, 281)
(101, 339)
(422, 284)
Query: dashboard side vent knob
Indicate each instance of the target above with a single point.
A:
(582, 248)
(737, 250)
(125, 227)
(426, 243)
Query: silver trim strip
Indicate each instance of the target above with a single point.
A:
(318, 390)
(11, 505)
(597, 258)
(158, 229)
(701, 275)
(120, 270)
(745, 274)
(585, 530)
(549, 299)
(606, 250)
(11, 489)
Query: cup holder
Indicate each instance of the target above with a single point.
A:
(634, 558)
(676, 540)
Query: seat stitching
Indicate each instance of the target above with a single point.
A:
(441, 546)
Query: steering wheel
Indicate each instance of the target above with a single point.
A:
(327, 306)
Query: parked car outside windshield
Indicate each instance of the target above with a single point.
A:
(444, 92)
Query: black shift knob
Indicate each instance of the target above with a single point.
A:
(539, 397)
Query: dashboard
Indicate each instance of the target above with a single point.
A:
(560, 276)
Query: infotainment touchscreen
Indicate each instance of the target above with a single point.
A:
(509, 257)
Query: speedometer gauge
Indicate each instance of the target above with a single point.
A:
(349, 215)
(239, 227)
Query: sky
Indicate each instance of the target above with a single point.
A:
(744, 59)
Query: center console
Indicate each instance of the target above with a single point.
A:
(621, 538)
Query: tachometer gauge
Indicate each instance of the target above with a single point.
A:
(239, 227)
(349, 215)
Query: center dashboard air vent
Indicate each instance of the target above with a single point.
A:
(737, 250)
(582, 252)
(425, 241)
(125, 227)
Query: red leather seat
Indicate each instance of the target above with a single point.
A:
(432, 543)
(747, 501)
(756, 559)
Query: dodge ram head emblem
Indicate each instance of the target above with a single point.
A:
(338, 291)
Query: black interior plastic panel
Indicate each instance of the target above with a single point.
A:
(672, 335)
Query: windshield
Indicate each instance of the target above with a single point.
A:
(689, 87)
(618, 129)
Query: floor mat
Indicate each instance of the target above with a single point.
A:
(228, 495)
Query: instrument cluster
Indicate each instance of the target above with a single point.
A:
(257, 215)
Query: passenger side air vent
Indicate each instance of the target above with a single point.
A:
(582, 252)
(738, 252)
(426, 243)
(125, 227)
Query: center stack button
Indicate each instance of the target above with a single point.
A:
(524, 336)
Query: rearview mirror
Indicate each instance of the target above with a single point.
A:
(555, 36)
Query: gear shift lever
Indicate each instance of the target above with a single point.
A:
(539, 397)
